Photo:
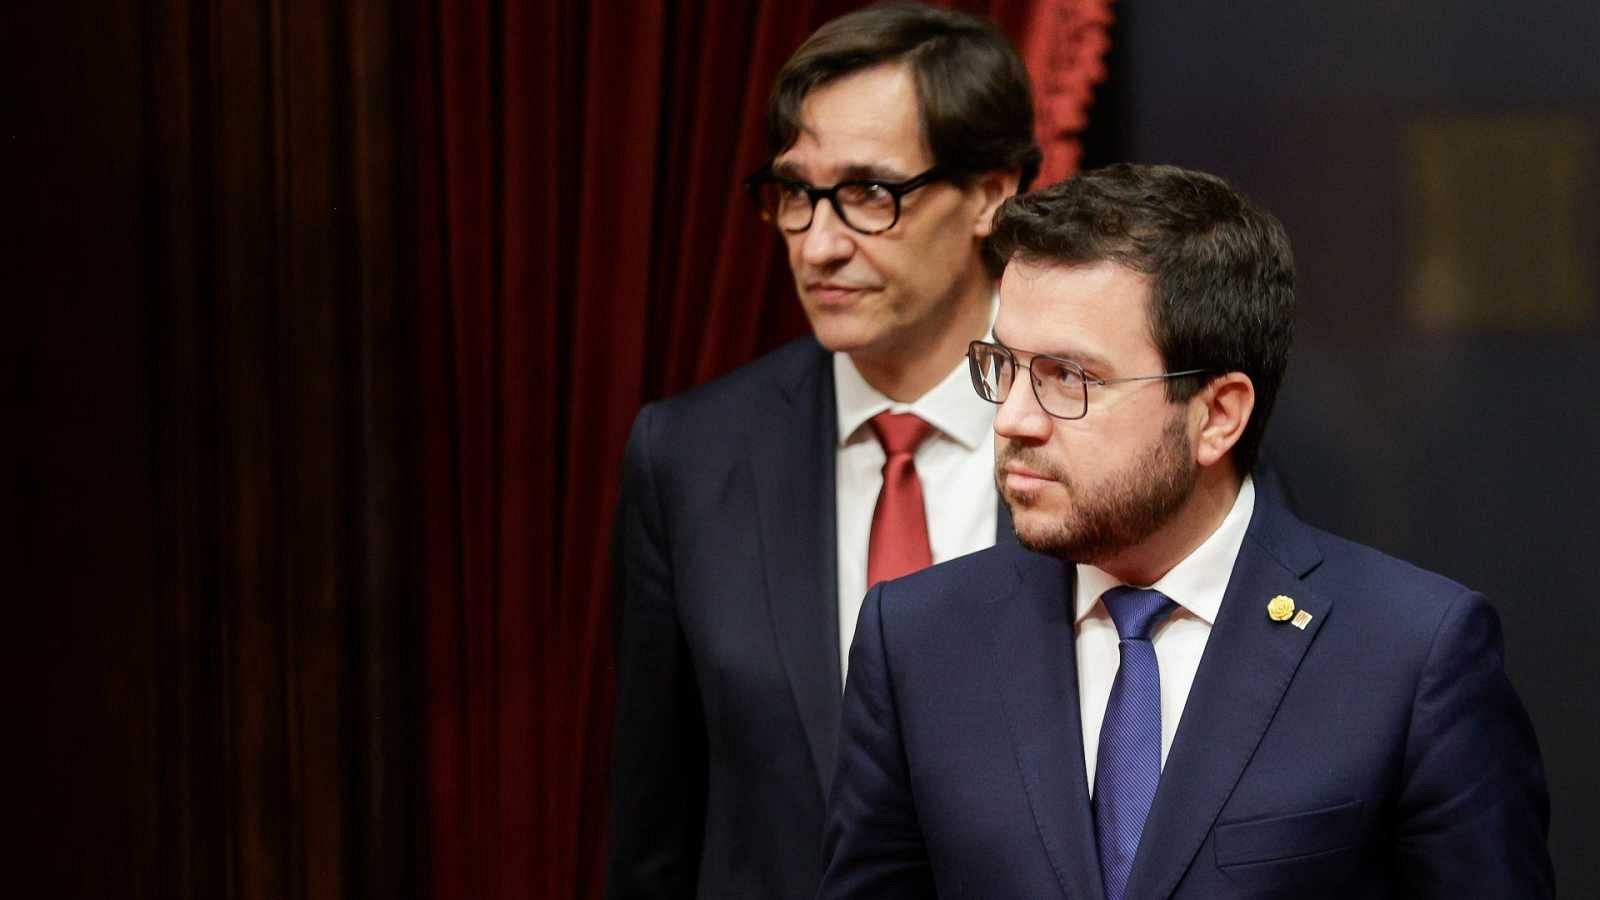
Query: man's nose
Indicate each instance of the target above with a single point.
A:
(829, 240)
(1020, 417)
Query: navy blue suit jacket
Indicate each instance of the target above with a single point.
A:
(1379, 752)
(728, 685)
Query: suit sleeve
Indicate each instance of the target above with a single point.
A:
(872, 842)
(659, 756)
(1474, 812)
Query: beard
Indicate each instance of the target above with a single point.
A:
(1128, 507)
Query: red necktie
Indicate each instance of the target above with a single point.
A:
(899, 542)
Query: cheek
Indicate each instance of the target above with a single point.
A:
(791, 249)
(954, 235)
(916, 274)
(1080, 453)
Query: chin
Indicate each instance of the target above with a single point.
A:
(1064, 544)
(1046, 543)
(1050, 531)
(1033, 527)
(838, 335)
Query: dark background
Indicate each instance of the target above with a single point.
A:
(1472, 449)
(306, 524)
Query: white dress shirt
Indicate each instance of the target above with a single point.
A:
(955, 465)
(1196, 584)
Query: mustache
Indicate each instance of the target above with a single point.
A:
(1028, 457)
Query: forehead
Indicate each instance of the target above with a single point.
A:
(1097, 311)
(865, 123)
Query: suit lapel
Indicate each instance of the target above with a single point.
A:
(795, 508)
(1035, 657)
(794, 482)
(1248, 663)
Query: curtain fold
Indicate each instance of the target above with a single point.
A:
(583, 246)
(280, 324)
(217, 449)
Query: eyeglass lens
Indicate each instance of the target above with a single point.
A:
(864, 205)
(1058, 386)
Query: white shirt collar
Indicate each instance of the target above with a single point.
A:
(952, 407)
(1198, 582)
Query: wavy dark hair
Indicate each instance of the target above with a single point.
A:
(976, 102)
(1221, 270)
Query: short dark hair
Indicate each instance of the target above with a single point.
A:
(1221, 271)
(973, 92)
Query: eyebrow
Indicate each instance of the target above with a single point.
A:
(852, 172)
(1088, 361)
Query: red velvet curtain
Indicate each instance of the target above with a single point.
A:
(214, 592)
(584, 247)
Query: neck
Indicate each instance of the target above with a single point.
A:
(921, 359)
(1199, 517)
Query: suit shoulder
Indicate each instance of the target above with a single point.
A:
(1387, 598)
(698, 434)
(787, 368)
(1378, 572)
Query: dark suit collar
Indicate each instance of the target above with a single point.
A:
(794, 479)
(1248, 663)
(796, 368)
(1035, 656)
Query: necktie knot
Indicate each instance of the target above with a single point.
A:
(1136, 610)
(899, 433)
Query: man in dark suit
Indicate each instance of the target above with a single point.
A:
(1173, 688)
(757, 509)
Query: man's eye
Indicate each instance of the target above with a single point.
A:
(1060, 375)
(864, 192)
(791, 190)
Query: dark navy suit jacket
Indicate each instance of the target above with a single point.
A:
(728, 685)
(1378, 752)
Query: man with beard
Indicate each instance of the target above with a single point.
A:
(1173, 688)
(758, 509)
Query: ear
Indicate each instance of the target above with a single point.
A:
(1222, 410)
(992, 188)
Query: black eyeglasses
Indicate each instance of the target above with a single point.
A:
(1061, 387)
(866, 205)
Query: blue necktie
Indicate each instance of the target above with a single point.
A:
(1128, 766)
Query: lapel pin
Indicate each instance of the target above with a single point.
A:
(1301, 620)
(1280, 608)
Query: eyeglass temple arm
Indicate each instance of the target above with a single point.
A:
(1104, 381)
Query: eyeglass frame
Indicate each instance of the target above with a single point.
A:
(1084, 380)
(896, 189)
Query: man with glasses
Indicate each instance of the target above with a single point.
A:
(758, 509)
(1172, 688)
